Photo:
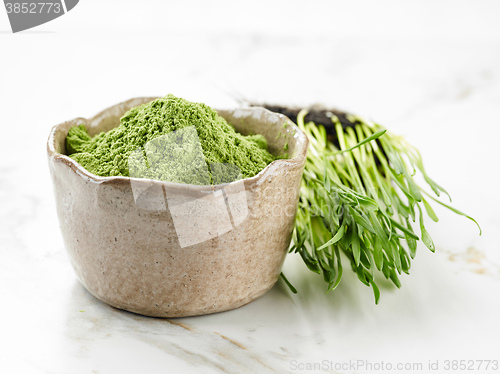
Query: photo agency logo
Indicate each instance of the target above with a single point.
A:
(219, 204)
(25, 15)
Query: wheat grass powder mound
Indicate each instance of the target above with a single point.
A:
(171, 139)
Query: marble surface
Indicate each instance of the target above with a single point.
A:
(429, 70)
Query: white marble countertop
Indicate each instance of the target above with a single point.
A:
(429, 70)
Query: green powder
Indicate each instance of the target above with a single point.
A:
(171, 139)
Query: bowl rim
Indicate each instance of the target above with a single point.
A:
(298, 160)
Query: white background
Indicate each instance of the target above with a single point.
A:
(429, 70)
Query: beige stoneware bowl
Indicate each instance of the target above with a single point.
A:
(173, 250)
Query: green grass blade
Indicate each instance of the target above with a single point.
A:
(454, 210)
(356, 247)
(426, 238)
(377, 135)
(292, 288)
(339, 270)
(430, 211)
(407, 232)
(376, 291)
(338, 235)
(378, 254)
(412, 243)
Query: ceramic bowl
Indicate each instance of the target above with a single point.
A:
(172, 250)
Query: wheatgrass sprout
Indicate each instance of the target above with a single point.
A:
(360, 199)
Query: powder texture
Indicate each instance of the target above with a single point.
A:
(171, 139)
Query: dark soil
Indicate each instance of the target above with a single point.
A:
(316, 114)
(321, 116)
